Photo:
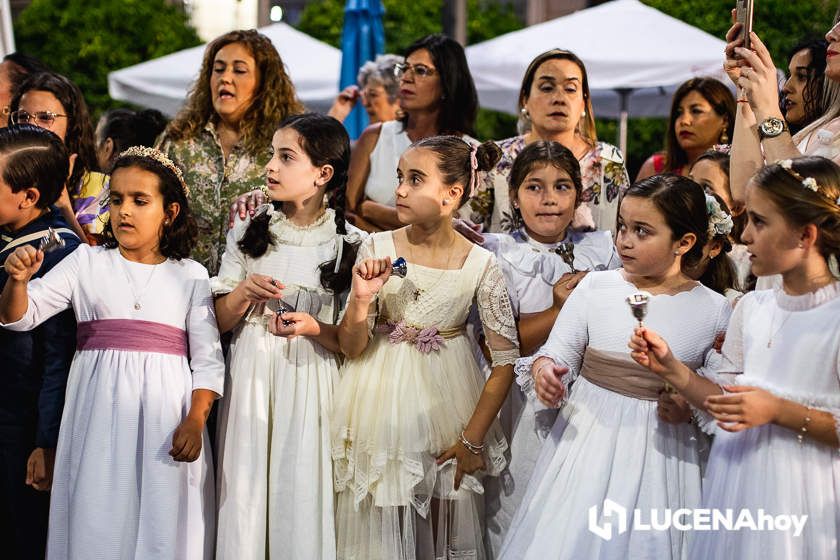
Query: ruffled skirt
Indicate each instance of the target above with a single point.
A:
(397, 409)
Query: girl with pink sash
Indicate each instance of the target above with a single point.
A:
(133, 475)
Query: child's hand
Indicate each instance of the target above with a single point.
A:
(186, 441)
(563, 287)
(39, 468)
(300, 324)
(466, 462)
(650, 350)
(673, 408)
(369, 276)
(547, 381)
(748, 407)
(259, 288)
(23, 263)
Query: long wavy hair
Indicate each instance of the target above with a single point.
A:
(274, 100)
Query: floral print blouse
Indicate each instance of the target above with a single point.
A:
(214, 185)
(604, 179)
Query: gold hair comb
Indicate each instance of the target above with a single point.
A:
(160, 157)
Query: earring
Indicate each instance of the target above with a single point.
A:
(525, 114)
(445, 201)
(583, 113)
(724, 137)
(676, 253)
(801, 245)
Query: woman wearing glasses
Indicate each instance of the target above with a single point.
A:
(53, 102)
(437, 96)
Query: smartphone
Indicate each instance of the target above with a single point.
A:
(744, 16)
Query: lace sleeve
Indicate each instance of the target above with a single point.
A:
(496, 316)
(233, 269)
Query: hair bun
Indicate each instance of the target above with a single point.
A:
(488, 155)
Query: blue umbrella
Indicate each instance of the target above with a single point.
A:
(362, 38)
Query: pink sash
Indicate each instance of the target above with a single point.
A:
(132, 336)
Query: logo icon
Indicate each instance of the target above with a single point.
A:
(611, 512)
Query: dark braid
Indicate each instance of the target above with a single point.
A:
(258, 236)
(338, 282)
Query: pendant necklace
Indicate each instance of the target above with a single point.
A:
(420, 291)
(772, 320)
(137, 297)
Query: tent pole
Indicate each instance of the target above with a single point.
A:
(624, 99)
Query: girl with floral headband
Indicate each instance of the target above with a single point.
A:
(776, 394)
(414, 423)
(279, 290)
(133, 475)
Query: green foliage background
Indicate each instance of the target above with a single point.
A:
(86, 39)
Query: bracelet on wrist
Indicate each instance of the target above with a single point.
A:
(800, 437)
(471, 447)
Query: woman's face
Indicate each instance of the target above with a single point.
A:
(234, 80)
(697, 125)
(832, 55)
(555, 103)
(794, 88)
(376, 103)
(420, 92)
(46, 111)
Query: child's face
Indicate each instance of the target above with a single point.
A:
(711, 177)
(769, 237)
(137, 209)
(290, 175)
(546, 200)
(421, 193)
(645, 242)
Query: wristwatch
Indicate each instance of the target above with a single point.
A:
(771, 127)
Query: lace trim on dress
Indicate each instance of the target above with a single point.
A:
(807, 301)
(812, 400)
(497, 316)
(525, 379)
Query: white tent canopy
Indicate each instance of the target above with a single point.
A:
(625, 45)
(163, 83)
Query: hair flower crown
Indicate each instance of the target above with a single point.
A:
(160, 157)
(808, 182)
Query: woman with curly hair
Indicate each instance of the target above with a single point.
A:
(222, 136)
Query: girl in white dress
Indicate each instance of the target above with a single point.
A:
(275, 469)
(545, 190)
(608, 442)
(414, 420)
(778, 417)
(133, 477)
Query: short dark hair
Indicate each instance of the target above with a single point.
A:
(34, 157)
(682, 203)
(459, 104)
(21, 65)
(454, 160)
(178, 237)
(722, 102)
(128, 128)
(543, 153)
(79, 138)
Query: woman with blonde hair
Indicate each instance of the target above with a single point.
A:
(221, 138)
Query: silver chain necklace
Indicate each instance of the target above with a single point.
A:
(137, 297)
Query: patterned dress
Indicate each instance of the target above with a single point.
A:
(214, 184)
(604, 181)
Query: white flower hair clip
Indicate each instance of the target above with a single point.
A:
(720, 223)
(808, 182)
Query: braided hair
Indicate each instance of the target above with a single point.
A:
(325, 142)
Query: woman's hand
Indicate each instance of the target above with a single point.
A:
(673, 408)
(548, 381)
(732, 63)
(293, 323)
(369, 276)
(245, 205)
(186, 441)
(468, 229)
(743, 407)
(259, 288)
(563, 287)
(23, 263)
(758, 79)
(344, 103)
(650, 350)
(466, 462)
(39, 468)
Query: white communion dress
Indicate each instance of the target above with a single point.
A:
(275, 487)
(608, 441)
(405, 400)
(147, 337)
(767, 468)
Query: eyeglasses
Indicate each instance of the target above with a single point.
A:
(44, 119)
(420, 70)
